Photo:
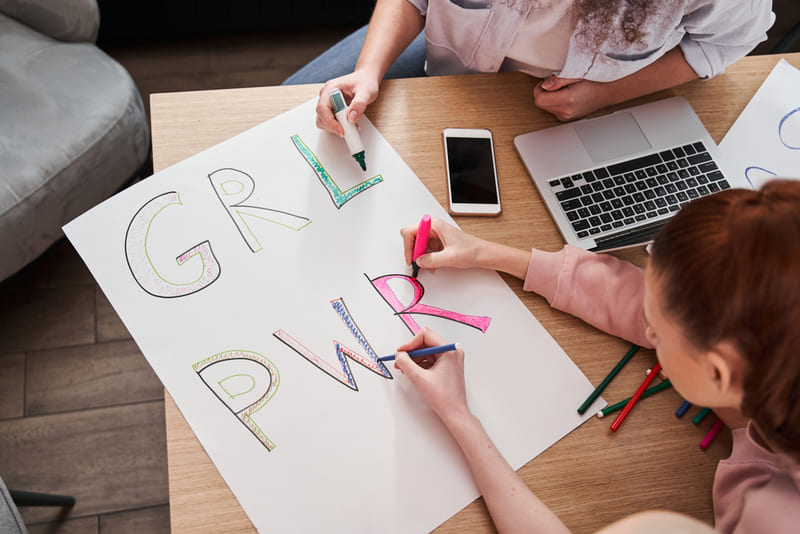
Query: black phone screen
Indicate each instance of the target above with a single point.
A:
(469, 161)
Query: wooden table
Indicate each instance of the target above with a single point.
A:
(591, 477)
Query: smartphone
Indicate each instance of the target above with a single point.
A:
(471, 172)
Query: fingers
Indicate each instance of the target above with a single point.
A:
(403, 362)
(442, 372)
(449, 247)
(357, 89)
(409, 234)
(424, 338)
(413, 368)
(436, 242)
(561, 104)
(548, 96)
(538, 91)
(325, 119)
(554, 83)
(357, 106)
(571, 99)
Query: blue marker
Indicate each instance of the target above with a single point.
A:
(682, 410)
(425, 352)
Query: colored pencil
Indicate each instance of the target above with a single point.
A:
(621, 404)
(599, 389)
(715, 428)
(701, 415)
(683, 409)
(636, 396)
(425, 352)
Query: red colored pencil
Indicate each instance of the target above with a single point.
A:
(635, 398)
(715, 428)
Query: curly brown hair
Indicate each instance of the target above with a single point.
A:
(616, 22)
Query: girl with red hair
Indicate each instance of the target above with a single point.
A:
(719, 302)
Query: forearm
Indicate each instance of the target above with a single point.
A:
(601, 289)
(513, 507)
(669, 70)
(491, 255)
(394, 24)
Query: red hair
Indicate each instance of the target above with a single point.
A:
(729, 265)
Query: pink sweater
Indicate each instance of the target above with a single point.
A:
(755, 490)
(603, 291)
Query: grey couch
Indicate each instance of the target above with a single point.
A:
(10, 520)
(72, 124)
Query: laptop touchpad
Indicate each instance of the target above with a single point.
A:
(612, 136)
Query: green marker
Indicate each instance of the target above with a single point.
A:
(701, 415)
(621, 404)
(351, 136)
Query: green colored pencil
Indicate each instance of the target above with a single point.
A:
(621, 404)
(599, 389)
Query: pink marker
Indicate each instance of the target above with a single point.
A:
(716, 427)
(421, 242)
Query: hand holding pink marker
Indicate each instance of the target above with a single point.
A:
(421, 242)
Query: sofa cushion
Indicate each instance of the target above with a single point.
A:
(73, 131)
(65, 20)
(10, 520)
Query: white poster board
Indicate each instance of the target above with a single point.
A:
(764, 142)
(262, 279)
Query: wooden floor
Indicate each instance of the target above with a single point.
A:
(80, 410)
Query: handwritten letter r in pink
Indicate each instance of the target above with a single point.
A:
(381, 284)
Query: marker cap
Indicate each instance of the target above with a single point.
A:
(337, 101)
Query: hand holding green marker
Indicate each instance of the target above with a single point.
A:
(351, 136)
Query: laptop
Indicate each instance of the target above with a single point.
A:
(611, 182)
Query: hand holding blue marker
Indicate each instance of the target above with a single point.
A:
(351, 136)
(425, 352)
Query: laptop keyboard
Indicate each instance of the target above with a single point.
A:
(638, 191)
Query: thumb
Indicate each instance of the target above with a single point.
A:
(364, 94)
(357, 108)
(425, 261)
(433, 260)
(554, 83)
